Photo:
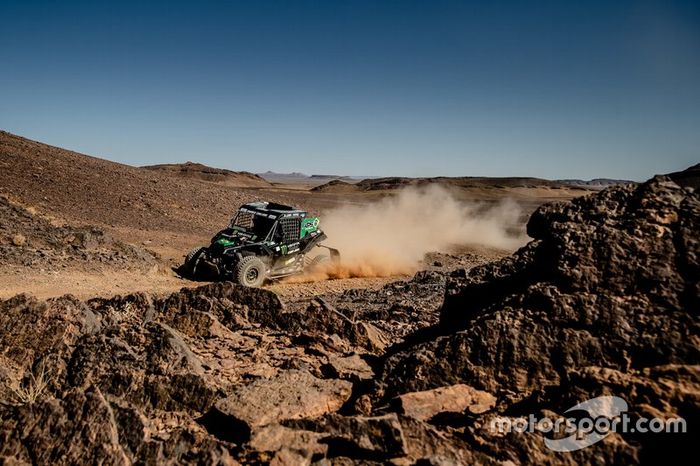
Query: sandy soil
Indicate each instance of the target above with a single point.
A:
(89, 284)
(84, 285)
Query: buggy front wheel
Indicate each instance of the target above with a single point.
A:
(250, 271)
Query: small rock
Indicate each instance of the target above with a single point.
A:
(349, 368)
(19, 240)
(363, 405)
(376, 339)
(289, 457)
(379, 437)
(292, 394)
(275, 437)
(452, 399)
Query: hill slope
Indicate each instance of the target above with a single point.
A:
(87, 190)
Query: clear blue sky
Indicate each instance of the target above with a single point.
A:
(557, 89)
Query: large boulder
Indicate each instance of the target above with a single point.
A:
(603, 301)
(150, 366)
(454, 399)
(292, 394)
(609, 280)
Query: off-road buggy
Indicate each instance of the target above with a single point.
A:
(263, 241)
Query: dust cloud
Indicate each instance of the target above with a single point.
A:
(391, 236)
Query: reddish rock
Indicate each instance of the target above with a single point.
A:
(453, 399)
(293, 394)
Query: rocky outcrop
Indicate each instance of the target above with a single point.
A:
(609, 283)
(689, 177)
(83, 422)
(609, 280)
(125, 379)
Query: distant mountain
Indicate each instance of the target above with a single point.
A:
(337, 186)
(330, 177)
(216, 175)
(466, 182)
(271, 174)
(596, 183)
(296, 177)
(372, 184)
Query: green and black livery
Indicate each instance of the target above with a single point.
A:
(264, 241)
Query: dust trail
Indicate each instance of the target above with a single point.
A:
(391, 236)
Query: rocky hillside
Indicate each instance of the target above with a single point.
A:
(337, 186)
(604, 300)
(28, 240)
(595, 183)
(87, 190)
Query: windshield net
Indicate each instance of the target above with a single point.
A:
(243, 220)
(250, 222)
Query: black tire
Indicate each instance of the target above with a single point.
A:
(190, 264)
(250, 271)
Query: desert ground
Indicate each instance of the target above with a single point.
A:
(463, 300)
(165, 211)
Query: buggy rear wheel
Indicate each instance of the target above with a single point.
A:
(191, 261)
(250, 271)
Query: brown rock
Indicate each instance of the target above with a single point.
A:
(293, 394)
(78, 429)
(351, 367)
(363, 405)
(275, 438)
(290, 457)
(453, 399)
(378, 438)
(427, 445)
(598, 286)
(376, 340)
(19, 240)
